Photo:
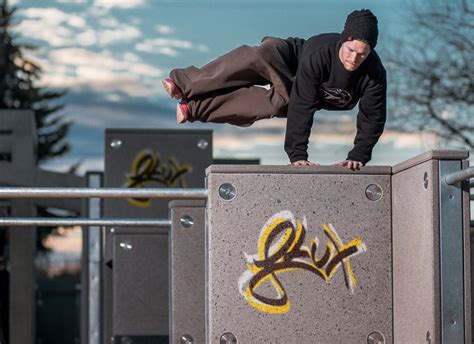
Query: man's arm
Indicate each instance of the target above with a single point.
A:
(370, 120)
(304, 100)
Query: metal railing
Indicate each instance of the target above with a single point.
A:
(38, 192)
(471, 198)
(460, 176)
(31, 192)
(35, 192)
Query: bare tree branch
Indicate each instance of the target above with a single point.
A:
(431, 72)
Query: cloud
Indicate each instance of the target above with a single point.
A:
(102, 71)
(169, 47)
(110, 22)
(60, 29)
(71, 1)
(54, 16)
(124, 33)
(164, 29)
(57, 27)
(124, 4)
(90, 37)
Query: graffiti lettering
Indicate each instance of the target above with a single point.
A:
(148, 168)
(280, 249)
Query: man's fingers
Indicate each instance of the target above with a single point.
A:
(353, 165)
(304, 163)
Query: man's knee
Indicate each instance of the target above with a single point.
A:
(279, 107)
(271, 49)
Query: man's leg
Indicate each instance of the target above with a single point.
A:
(244, 66)
(239, 106)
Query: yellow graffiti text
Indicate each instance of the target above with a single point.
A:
(281, 249)
(148, 168)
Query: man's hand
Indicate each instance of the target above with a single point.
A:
(304, 163)
(353, 165)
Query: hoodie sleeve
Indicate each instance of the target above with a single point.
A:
(304, 100)
(370, 119)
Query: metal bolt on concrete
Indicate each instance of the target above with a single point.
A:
(116, 143)
(227, 191)
(202, 144)
(187, 339)
(186, 221)
(126, 245)
(373, 192)
(425, 181)
(228, 338)
(375, 338)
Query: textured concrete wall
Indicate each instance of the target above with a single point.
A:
(140, 292)
(273, 275)
(416, 285)
(430, 303)
(187, 274)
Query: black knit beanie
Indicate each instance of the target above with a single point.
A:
(361, 25)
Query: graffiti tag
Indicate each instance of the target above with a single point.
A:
(281, 249)
(148, 168)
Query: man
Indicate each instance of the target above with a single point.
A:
(328, 71)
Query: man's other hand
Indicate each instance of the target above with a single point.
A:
(353, 165)
(304, 163)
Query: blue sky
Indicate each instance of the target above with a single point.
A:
(112, 54)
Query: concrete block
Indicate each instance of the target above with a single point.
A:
(140, 288)
(416, 284)
(187, 271)
(275, 266)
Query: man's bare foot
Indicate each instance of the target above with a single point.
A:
(171, 88)
(182, 113)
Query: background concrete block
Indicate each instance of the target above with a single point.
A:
(153, 158)
(273, 275)
(140, 287)
(137, 158)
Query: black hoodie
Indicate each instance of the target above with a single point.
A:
(321, 82)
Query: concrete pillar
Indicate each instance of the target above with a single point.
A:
(431, 251)
(187, 271)
(136, 280)
(22, 276)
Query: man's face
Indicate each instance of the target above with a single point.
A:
(353, 53)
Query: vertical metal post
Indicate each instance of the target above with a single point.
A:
(451, 255)
(94, 264)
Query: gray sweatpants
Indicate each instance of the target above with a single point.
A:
(225, 91)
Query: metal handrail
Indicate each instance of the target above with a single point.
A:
(68, 222)
(52, 192)
(459, 176)
(471, 198)
(34, 192)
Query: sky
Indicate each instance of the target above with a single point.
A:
(111, 55)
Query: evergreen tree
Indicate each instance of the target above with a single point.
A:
(18, 90)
